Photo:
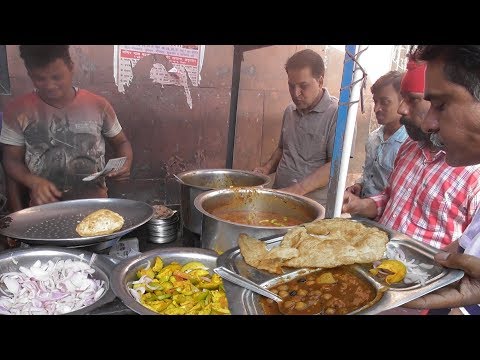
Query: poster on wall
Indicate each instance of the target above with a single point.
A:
(178, 65)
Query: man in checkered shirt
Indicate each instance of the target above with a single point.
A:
(425, 198)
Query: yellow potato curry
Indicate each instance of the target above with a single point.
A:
(177, 289)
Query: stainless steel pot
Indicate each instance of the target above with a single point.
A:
(221, 235)
(195, 182)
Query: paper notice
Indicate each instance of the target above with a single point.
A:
(112, 165)
(178, 65)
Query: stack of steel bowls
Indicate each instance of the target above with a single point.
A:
(163, 226)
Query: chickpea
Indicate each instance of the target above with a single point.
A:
(283, 294)
(302, 292)
(299, 306)
(275, 291)
(310, 277)
(310, 282)
(283, 287)
(330, 311)
(289, 304)
(327, 296)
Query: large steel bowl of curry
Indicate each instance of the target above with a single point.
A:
(196, 182)
(257, 212)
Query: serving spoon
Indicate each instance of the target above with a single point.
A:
(229, 275)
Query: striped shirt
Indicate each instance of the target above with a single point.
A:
(427, 199)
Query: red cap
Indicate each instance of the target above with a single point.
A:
(414, 79)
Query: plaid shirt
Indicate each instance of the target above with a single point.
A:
(427, 199)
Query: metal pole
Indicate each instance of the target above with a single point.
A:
(348, 138)
(346, 120)
(340, 129)
(232, 122)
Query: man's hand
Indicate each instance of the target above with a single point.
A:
(354, 205)
(463, 293)
(121, 147)
(121, 174)
(43, 192)
(355, 189)
(351, 203)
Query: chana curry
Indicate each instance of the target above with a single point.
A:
(256, 218)
(177, 289)
(335, 291)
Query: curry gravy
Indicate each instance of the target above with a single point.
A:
(333, 291)
(256, 218)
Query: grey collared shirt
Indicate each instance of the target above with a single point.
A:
(379, 159)
(307, 143)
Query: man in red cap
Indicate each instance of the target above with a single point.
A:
(425, 198)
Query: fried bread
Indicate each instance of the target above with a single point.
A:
(256, 254)
(100, 222)
(325, 243)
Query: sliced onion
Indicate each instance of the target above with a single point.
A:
(50, 288)
(415, 274)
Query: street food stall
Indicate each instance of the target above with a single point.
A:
(148, 264)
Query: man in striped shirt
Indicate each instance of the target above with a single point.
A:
(425, 197)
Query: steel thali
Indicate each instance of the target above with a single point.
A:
(54, 224)
(125, 271)
(245, 302)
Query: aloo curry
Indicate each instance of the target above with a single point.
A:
(256, 218)
(335, 291)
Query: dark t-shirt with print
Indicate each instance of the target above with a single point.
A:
(63, 145)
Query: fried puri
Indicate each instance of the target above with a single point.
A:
(100, 222)
(323, 243)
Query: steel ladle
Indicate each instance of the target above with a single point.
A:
(229, 275)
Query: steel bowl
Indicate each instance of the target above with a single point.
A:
(195, 182)
(12, 260)
(221, 235)
(125, 271)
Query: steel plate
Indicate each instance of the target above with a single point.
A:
(245, 302)
(126, 270)
(12, 260)
(54, 224)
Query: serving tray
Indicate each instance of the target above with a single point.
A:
(245, 302)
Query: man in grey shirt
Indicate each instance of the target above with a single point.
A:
(304, 152)
(383, 143)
